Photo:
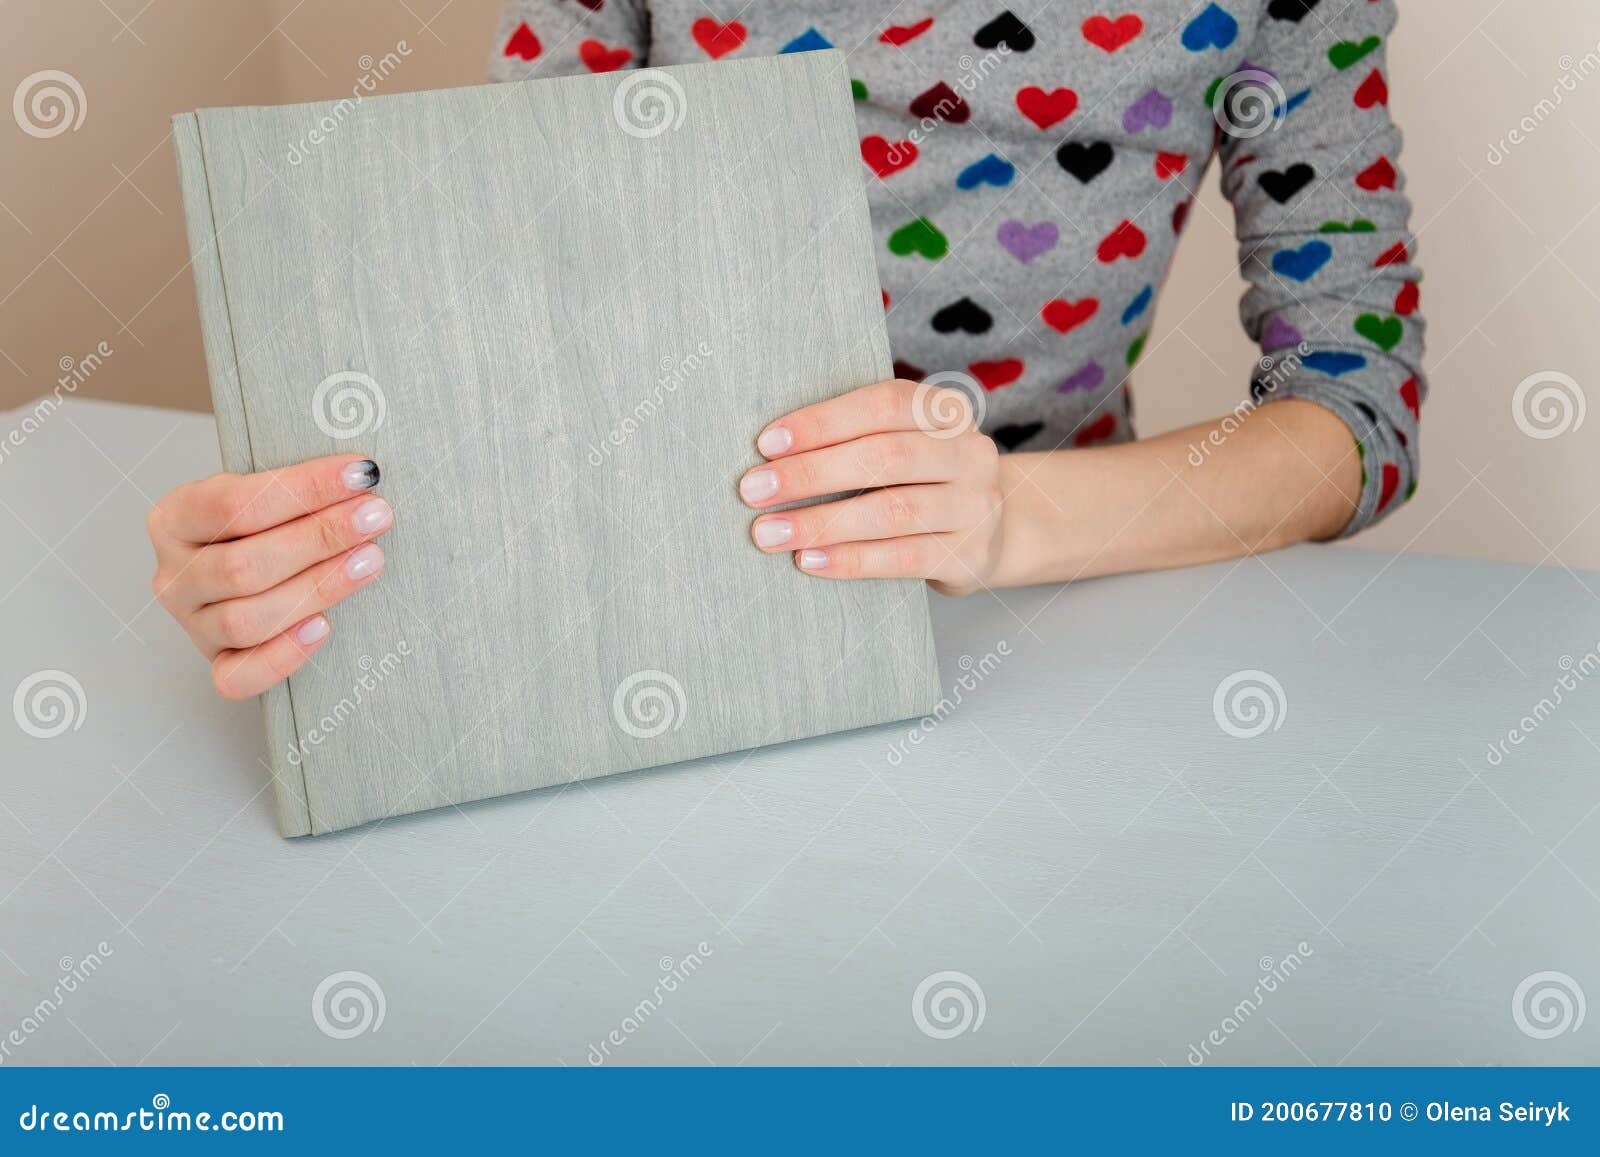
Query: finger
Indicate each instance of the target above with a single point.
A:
(892, 405)
(249, 566)
(239, 624)
(241, 674)
(876, 460)
(227, 506)
(920, 556)
(890, 513)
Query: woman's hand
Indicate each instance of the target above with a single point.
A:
(933, 503)
(247, 563)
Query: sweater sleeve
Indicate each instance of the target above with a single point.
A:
(1323, 230)
(539, 38)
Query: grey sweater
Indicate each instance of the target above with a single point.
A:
(1030, 170)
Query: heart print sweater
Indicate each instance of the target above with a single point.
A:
(1030, 170)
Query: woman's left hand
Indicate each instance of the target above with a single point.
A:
(932, 507)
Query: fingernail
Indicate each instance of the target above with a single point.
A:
(775, 441)
(366, 561)
(813, 559)
(372, 516)
(362, 475)
(758, 485)
(313, 630)
(774, 532)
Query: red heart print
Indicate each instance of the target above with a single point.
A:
(1378, 175)
(718, 39)
(523, 43)
(1064, 316)
(1373, 91)
(1126, 240)
(1169, 165)
(1097, 431)
(1047, 108)
(1396, 254)
(898, 34)
(993, 375)
(1180, 215)
(885, 157)
(941, 102)
(1103, 32)
(1391, 483)
(593, 5)
(1409, 395)
(1405, 302)
(885, 293)
(598, 58)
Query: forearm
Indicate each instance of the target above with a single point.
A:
(1288, 473)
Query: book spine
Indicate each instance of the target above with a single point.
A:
(227, 401)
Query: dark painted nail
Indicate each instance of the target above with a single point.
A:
(362, 475)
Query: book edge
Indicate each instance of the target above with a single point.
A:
(233, 432)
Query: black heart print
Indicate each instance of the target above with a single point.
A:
(1085, 162)
(1282, 187)
(1005, 29)
(965, 315)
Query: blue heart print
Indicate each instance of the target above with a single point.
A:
(1213, 28)
(991, 170)
(1138, 305)
(808, 41)
(1302, 264)
(1333, 364)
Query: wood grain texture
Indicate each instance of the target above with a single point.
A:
(1078, 834)
(573, 333)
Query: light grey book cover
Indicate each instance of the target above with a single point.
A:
(557, 313)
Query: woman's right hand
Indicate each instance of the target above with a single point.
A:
(247, 563)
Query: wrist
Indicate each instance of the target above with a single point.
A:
(1026, 528)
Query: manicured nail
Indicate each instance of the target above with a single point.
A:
(363, 562)
(813, 559)
(313, 630)
(372, 516)
(774, 532)
(362, 475)
(775, 441)
(758, 485)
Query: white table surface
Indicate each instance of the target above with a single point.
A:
(1080, 838)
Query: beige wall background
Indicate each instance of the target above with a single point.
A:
(1501, 107)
